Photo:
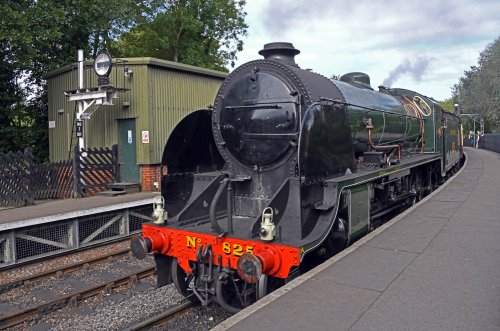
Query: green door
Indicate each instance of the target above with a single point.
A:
(127, 154)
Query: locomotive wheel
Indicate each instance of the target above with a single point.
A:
(339, 238)
(182, 281)
(412, 200)
(234, 294)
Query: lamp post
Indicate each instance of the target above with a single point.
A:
(474, 119)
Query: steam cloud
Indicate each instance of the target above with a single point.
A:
(416, 69)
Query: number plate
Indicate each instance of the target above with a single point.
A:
(228, 248)
(236, 249)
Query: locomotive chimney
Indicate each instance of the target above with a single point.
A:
(359, 79)
(280, 51)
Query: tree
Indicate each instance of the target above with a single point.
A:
(16, 91)
(37, 36)
(197, 32)
(448, 105)
(478, 91)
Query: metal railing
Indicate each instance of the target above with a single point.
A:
(43, 240)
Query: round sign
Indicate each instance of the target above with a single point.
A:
(102, 64)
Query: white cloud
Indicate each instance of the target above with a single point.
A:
(375, 37)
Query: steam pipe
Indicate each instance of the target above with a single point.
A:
(419, 115)
(369, 126)
(220, 231)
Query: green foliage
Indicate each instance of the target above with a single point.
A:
(448, 105)
(19, 73)
(478, 92)
(197, 32)
(37, 36)
(43, 35)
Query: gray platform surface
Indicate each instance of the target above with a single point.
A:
(436, 267)
(51, 210)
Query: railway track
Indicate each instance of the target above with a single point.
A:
(63, 270)
(74, 297)
(164, 317)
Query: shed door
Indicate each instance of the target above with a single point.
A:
(127, 154)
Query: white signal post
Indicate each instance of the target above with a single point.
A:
(81, 86)
(88, 96)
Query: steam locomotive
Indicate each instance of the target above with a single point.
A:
(285, 170)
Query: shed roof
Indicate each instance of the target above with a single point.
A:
(147, 61)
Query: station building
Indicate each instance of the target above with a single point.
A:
(154, 96)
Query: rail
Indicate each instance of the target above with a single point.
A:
(45, 308)
(63, 270)
(162, 317)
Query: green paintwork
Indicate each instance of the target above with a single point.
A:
(127, 154)
(357, 182)
(389, 118)
(359, 211)
(452, 141)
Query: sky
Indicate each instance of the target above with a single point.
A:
(423, 46)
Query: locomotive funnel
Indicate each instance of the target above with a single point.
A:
(280, 51)
(359, 79)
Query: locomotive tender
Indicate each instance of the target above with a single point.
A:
(287, 169)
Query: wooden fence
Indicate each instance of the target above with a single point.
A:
(94, 169)
(53, 180)
(22, 181)
(15, 178)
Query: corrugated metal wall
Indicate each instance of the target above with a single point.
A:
(101, 129)
(161, 94)
(60, 113)
(174, 95)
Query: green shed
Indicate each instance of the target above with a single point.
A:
(156, 95)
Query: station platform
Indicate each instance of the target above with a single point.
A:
(44, 211)
(434, 267)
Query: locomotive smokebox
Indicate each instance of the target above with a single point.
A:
(280, 51)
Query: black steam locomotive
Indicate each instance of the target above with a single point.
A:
(287, 169)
